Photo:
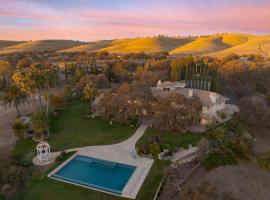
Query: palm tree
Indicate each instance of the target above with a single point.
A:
(50, 80)
(5, 71)
(24, 81)
(14, 96)
(90, 91)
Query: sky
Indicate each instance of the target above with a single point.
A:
(90, 20)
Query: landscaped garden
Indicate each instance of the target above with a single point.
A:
(70, 129)
(173, 140)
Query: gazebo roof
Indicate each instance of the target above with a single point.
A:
(43, 145)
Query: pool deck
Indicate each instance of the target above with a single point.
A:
(123, 152)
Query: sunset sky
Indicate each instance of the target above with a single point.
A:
(108, 19)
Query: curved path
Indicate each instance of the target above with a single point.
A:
(265, 53)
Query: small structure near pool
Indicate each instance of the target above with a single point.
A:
(43, 154)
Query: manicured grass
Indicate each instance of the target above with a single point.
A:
(173, 139)
(71, 129)
(46, 188)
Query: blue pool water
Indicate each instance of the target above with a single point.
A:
(96, 173)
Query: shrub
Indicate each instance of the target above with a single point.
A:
(62, 157)
(264, 160)
(57, 101)
(155, 139)
(13, 175)
(234, 125)
(19, 129)
(222, 115)
(243, 148)
(144, 149)
(39, 123)
(2, 197)
(25, 163)
(154, 149)
(68, 93)
(218, 134)
(216, 159)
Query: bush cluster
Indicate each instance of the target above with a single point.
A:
(264, 160)
(228, 144)
(215, 159)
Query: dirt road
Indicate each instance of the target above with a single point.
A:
(7, 138)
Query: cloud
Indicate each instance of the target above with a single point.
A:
(143, 18)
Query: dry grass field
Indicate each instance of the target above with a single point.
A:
(151, 44)
(253, 45)
(219, 45)
(6, 43)
(40, 45)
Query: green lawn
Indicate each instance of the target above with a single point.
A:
(48, 189)
(72, 129)
(173, 139)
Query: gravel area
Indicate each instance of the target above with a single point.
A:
(243, 181)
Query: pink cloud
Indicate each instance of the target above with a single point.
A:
(91, 24)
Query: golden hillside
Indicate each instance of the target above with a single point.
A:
(209, 44)
(151, 44)
(40, 45)
(215, 45)
(254, 45)
(90, 47)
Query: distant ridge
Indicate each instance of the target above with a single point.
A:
(214, 45)
(40, 45)
(6, 43)
(90, 46)
(149, 44)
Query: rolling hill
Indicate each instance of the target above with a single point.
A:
(6, 43)
(254, 45)
(90, 47)
(40, 45)
(214, 45)
(150, 44)
(209, 44)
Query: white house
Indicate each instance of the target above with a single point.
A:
(212, 103)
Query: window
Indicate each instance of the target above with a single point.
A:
(166, 89)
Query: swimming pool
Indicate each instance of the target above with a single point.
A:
(96, 173)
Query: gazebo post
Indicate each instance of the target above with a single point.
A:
(43, 151)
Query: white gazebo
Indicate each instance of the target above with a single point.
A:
(43, 154)
(43, 151)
